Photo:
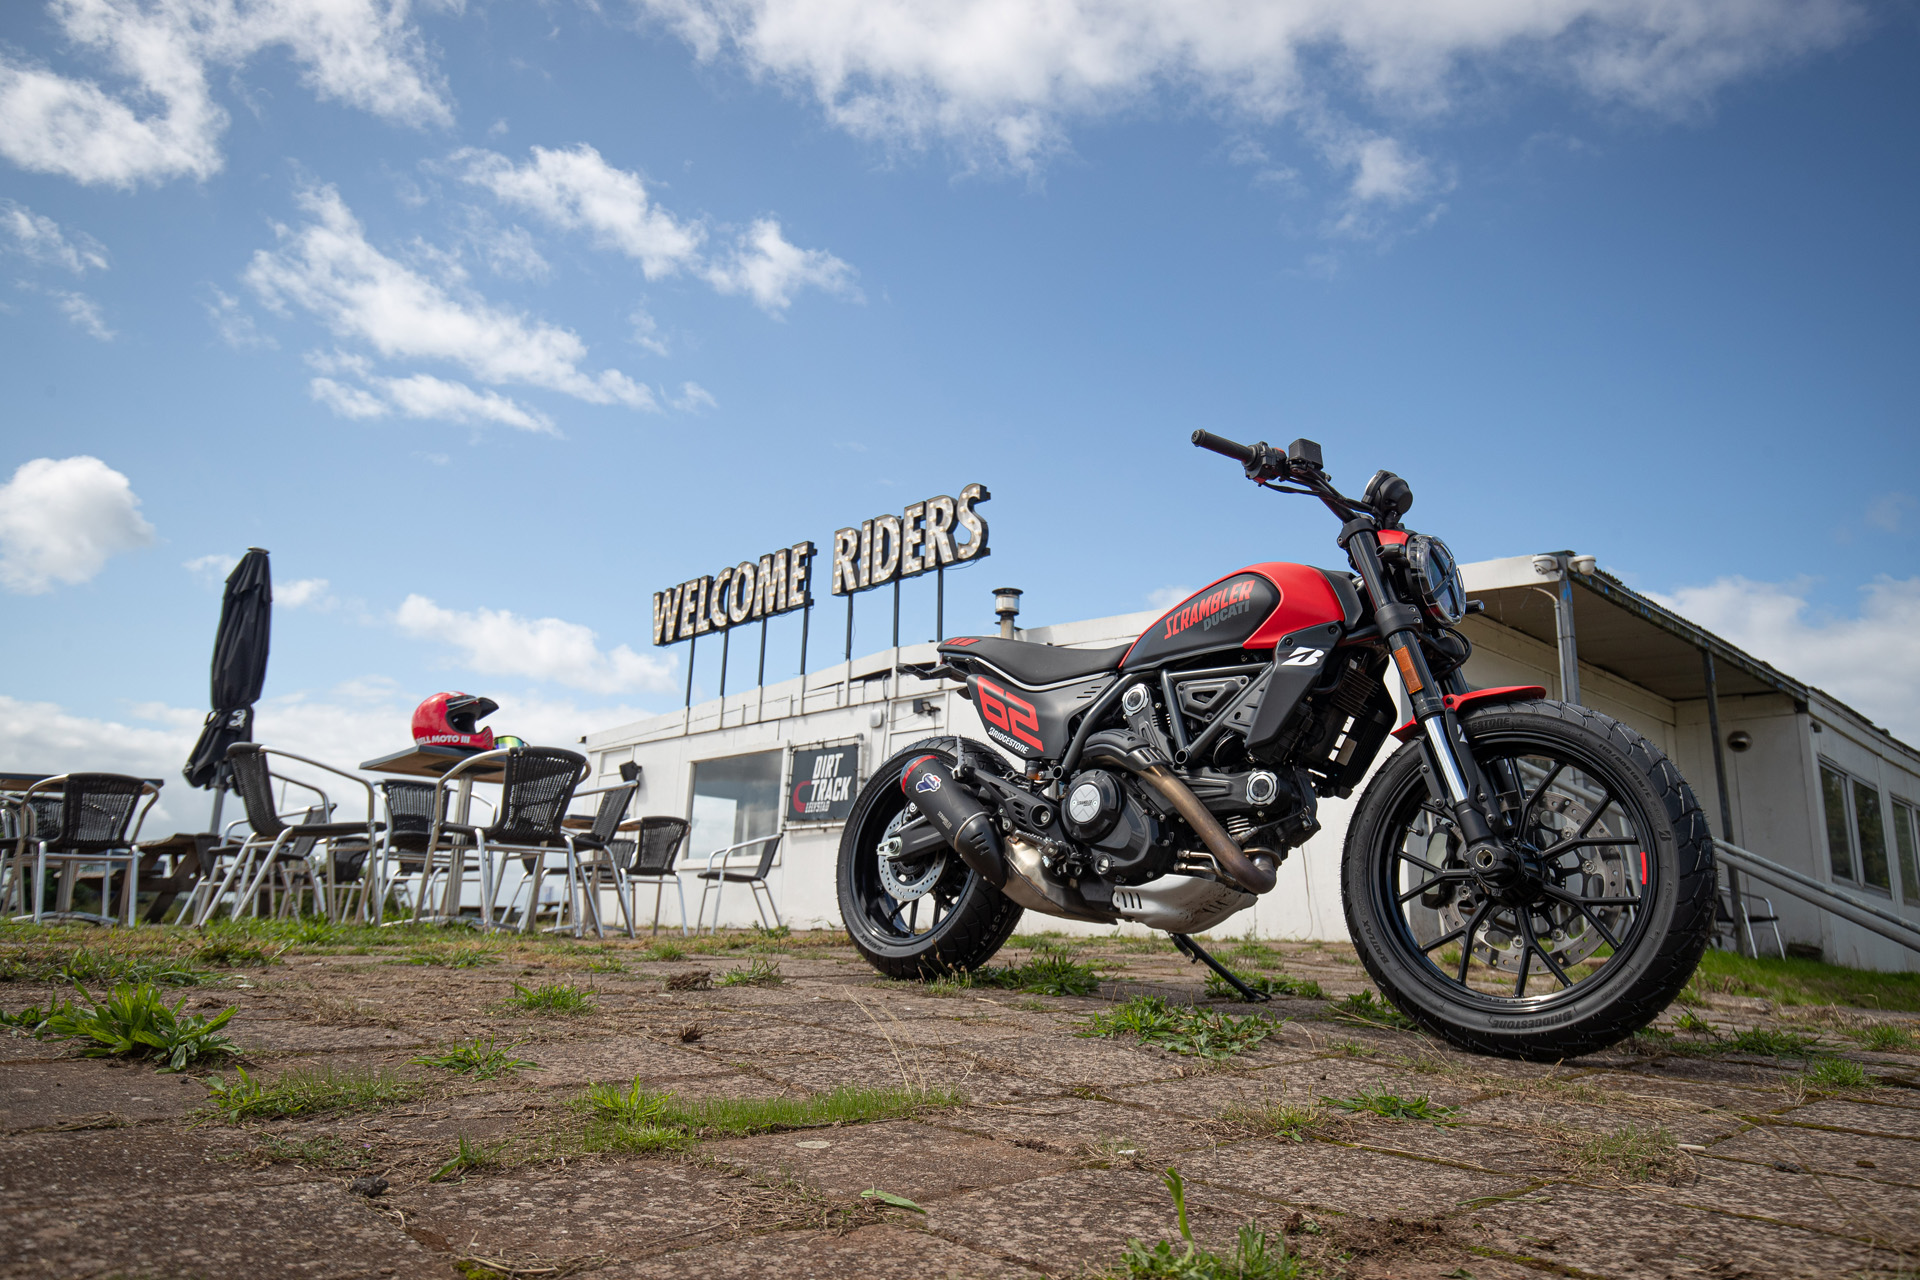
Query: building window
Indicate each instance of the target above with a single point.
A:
(1905, 836)
(1833, 790)
(1870, 827)
(1856, 830)
(735, 799)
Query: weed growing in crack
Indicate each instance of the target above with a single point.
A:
(1391, 1106)
(227, 953)
(1883, 1037)
(1275, 1119)
(481, 1059)
(758, 972)
(1270, 984)
(308, 1091)
(134, 1022)
(32, 1018)
(1693, 1024)
(326, 1152)
(1836, 1073)
(639, 1120)
(551, 997)
(664, 951)
(468, 1154)
(1634, 1154)
(1201, 1033)
(453, 956)
(1049, 971)
(1364, 1008)
(1253, 1258)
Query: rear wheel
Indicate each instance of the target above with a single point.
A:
(920, 915)
(1580, 941)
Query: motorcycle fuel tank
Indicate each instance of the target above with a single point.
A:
(1250, 609)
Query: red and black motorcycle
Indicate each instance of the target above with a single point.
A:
(1522, 877)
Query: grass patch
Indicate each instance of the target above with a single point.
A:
(1773, 1044)
(1633, 1154)
(100, 967)
(606, 964)
(758, 972)
(325, 1152)
(1793, 981)
(1253, 1257)
(664, 951)
(1275, 1119)
(481, 1059)
(1270, 984)
(1836, 1073)
(135, 1022)
(1200, 1033)
(1049, 971)
(551, 997)
(1883, 1037)
(453, 956)
(308, 1091)
(469, 1155)
(1364, 1008)
(1391, 1106)
(230, 953)
(638, 1120)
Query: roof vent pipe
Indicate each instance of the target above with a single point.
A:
(1006, 605)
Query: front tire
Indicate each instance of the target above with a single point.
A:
(930, 918)
(1603, 934)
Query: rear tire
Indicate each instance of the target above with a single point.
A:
(1617, 934)
(967, 920)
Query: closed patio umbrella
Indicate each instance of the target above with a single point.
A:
(239, 671)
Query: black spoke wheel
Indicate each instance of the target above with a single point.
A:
(926, 913)
(1589, 927)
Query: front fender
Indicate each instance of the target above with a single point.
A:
(1458, 702)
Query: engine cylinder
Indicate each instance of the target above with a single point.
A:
(963, 820)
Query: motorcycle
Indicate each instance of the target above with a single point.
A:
(1522, 877)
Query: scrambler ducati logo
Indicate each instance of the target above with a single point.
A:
(1210, 612)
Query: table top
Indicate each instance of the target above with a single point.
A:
(420, 761)
(21, 781)
(584, 822)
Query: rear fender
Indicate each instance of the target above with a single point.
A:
(1478, 698)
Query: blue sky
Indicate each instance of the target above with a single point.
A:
(490, 319)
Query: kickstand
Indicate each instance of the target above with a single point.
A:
(1194, 951)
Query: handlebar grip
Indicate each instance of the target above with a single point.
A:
(1240, 453)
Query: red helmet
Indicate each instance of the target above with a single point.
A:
(447, 720)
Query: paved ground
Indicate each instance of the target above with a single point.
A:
(1053, 1162)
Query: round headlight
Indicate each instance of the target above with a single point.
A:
(1436, 576)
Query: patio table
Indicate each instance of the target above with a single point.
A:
(426, 761)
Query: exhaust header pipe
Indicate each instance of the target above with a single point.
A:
(1255, 874)
(963, 820)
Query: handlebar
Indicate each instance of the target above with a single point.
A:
(1240, 453)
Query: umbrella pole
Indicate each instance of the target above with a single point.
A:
(219, 798)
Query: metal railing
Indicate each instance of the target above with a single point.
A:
(1824, 896)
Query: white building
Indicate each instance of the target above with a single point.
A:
(1809, 782)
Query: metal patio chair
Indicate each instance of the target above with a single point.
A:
(650, 857)
(536, 786)
(594, 852)
(718, 878)
(402, 852)
(90, 835)
(273, 840)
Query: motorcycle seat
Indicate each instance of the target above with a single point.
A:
(1034, 664)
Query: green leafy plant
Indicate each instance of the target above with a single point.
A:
(758, 972)
(551, 997)
(1364, 1008)
(1270, 984)
(481, 1059)
(1836, 1073)
(34, 1017)
(1049, 971)
(134, 1022)
(1275, 1119)
(468, 1154)
(1253, 1257)
(1773, 1044)
(1202, 1033)
(1694, 1024)
(664, 951)
(306, 1091)
(888, 1198)
(1883, 1037)
(1392, 1106)
(230, 953)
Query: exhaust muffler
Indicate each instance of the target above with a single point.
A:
(965, 822)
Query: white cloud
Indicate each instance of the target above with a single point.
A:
(496, 642)
(83, 312)
(40, 240)
(424, 396)
(212, 569)
(235, 327)
(361, 52)
(328, 269)
(646, 331)
(349, 402)
(694, 396)
(1007, 79)
(303, 593)
(60, 520)
(1870, 661)
(770, 270)
(1164, 598)
(575, 189)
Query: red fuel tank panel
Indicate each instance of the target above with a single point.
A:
(1251, 609)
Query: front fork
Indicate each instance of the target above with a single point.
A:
(1453, 774)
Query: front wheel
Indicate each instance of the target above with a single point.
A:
(1601, 927)
(922, 915)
